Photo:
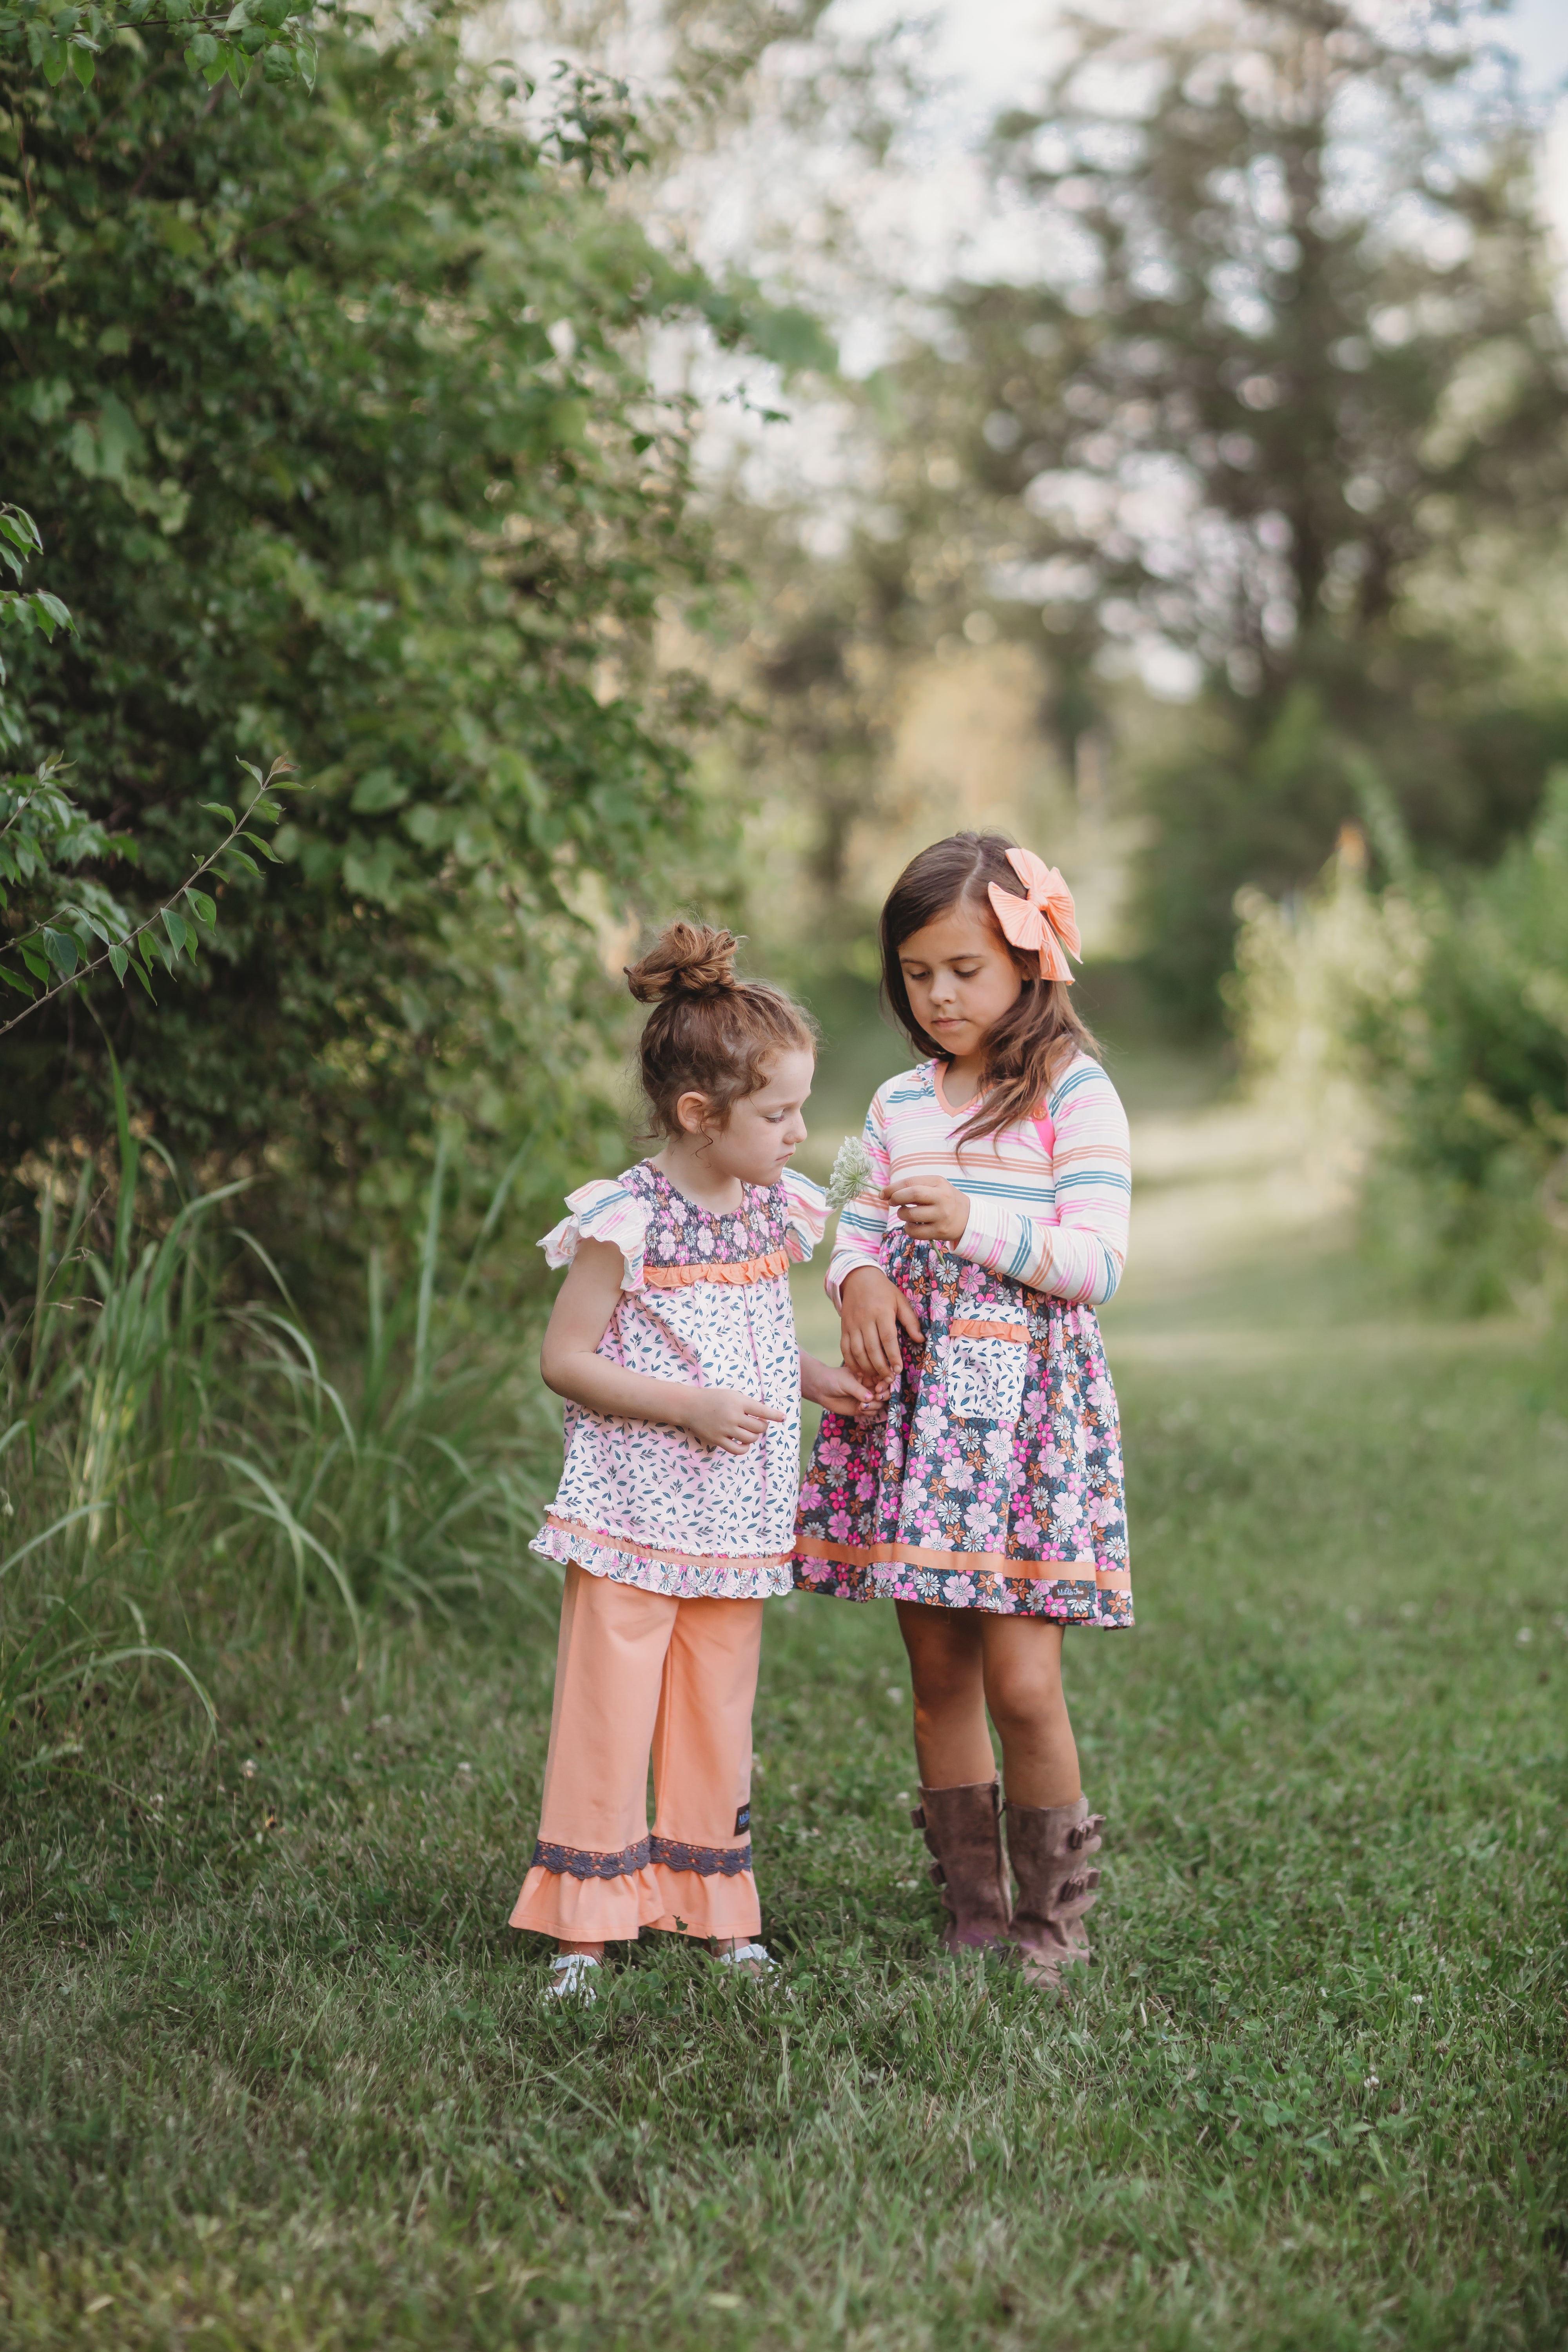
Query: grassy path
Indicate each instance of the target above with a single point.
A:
(291, 2085)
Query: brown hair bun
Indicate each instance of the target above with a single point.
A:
(686, 960)
(710, 1033)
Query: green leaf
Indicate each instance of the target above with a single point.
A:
(53, 61)
(266, 847)
(206, 908)
(15, 979)
(178, 930)
(119, 962)
(217, 808)
(37, 963)
(240, 858)
(379, 789)
(61, 949)
(83, 63)
(52, 605)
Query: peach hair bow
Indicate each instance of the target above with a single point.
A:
(1044, 919)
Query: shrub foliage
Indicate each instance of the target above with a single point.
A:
(1434, 1021)
(333, 413)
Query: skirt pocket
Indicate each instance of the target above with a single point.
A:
(985, 1365)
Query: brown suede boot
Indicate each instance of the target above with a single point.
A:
(963, 1830)
(1048, 1844)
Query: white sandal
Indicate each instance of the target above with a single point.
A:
(570, 1979)
(754, 1959)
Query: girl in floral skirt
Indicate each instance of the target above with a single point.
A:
(673, 1342)
(986, 1501)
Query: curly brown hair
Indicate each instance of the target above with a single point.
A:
(1038, 1035)
(710, 1033)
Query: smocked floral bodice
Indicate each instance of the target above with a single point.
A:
(704, 1303)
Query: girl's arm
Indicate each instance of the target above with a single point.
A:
(871, 1308)
(859, 1241)
(569, 1364)
(1080, 1255)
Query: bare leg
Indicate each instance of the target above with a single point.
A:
(962, 1661)
(1022, 1672)
(953, 1745)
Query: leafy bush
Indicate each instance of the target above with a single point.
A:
(1473, 1066)
(1434, 1018)
(333, 415)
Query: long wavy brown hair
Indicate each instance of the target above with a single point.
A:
(1038, 1035)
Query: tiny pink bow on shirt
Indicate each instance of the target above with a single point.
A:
(1044, 919)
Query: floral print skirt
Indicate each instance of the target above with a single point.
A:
(993, 1479)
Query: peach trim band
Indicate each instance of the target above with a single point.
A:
(1016, 1571)
(961, 1330)
(751, 1269)
(585, 1910)
(613, 1542)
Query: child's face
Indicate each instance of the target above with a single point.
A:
(763, 1130)
(961, 979)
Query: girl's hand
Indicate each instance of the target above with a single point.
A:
(573, 1365)
(724, 1418)
(872, 1308)
(931, 1209)
(835, 1388)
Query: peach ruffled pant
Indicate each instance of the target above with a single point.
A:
(639, 1674)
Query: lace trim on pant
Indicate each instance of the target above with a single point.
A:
(708, 1861)
(581, 1862)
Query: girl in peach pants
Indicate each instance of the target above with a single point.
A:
(673, 1342)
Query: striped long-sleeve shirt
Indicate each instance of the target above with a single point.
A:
(1048, 1201)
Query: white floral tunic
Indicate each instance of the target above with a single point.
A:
(704, 1302)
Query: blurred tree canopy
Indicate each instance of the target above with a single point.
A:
(333, 413)
(1294, 341)
(1277, 347)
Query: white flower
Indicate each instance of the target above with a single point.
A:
(852, 1173)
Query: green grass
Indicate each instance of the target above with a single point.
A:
(275, 2074)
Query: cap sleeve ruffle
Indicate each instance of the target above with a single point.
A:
(807, 1214)
(602, 1211)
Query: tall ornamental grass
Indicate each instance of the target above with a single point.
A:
(184, 1466)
